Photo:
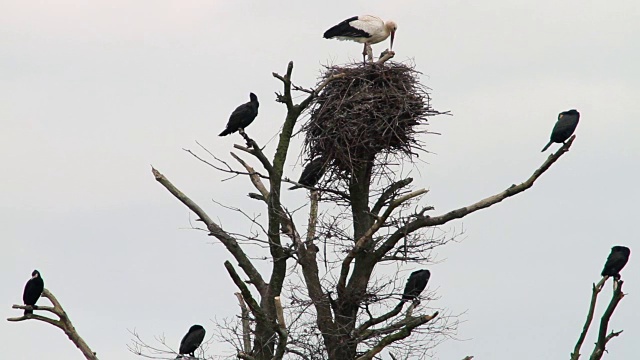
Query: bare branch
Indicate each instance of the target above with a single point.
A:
(386, 195)
(603, 337)
(313, 218)
(286, 81)
(246, 294)
(63, 323)
(142, 348)
(303, 105)
(424, 221)
(280, 313)
(377, 320)
(575, 355)
(386, 55)
(362, 241)
(405, 331)
(341, 194)
(254, 176)
(256, 151)
(246, 329)
(227, 240)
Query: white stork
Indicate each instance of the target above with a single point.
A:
(365, 29)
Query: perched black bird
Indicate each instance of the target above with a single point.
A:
(415, 285)
(242, 116)
(311, 173)
(616, 261)
(191, 341)
(564, 128)
(32, 290)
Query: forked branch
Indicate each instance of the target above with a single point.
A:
(227, 240)
(63, 323)
(603, 337)
(575, 355)
(405, 328)
(367, 236)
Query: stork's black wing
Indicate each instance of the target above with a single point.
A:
(345, 29)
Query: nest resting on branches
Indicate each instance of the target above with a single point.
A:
(371, 109)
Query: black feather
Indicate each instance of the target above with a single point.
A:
(416, 284)
(345, 29)
(32, 290)
(192, 340)
(242, 116)
(616, 261)
(312, 173)
(564, 128)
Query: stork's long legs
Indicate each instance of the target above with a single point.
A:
(367, 52)
(364, 53)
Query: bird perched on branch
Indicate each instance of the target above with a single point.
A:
(242, 116)
(416, 284)
(616, 261)
(191, 341)
(311, 173)
(564, 128)
(32, 290)
(366, 29)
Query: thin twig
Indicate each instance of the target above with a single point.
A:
(403, 332)
(227, 240)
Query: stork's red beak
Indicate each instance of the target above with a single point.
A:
(393, 34)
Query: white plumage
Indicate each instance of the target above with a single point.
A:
(366, 29)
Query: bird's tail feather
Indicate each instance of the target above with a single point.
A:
(225, 132)
(547, 146)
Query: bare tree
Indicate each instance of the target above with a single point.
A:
(339, 308)
(603, 335)
(63, 322)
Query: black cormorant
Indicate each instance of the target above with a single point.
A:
(311, 173)
(32, 290)
(564, 128)
(616, 261)
(415, 285)
(191, 341)
(242, 116)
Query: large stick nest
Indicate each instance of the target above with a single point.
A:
(371, 109)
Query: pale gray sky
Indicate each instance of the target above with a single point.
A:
(92, 93)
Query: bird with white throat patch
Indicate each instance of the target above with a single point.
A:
(366, 30)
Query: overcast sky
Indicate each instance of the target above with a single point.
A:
(93, 93)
